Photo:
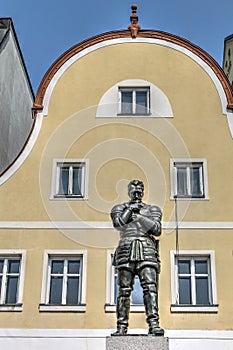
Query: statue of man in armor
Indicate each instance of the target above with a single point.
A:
(137, 254)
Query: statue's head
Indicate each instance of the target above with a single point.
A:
(136, 189)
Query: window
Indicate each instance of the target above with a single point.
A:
(136, 295)
(70, 179)
(193, 281)
(134, 101)
(12, 266)
(134, 97)
(112, 289)
(64, 281)
(189, 179)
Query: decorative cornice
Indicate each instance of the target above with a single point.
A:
(127, 34)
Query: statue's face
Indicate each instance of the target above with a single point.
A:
(136, 192)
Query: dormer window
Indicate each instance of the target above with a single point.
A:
(134, 100)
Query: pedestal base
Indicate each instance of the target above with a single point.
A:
(137, 342)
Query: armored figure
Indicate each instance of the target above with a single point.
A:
(137, 254)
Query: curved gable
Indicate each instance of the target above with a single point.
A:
(55, 72)
(157, 37)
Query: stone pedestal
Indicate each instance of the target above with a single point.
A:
(137, 342)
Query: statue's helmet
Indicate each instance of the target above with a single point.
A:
(136, 186)
(136, 183)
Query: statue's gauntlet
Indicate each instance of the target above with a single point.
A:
(124, 219)
(151, 225)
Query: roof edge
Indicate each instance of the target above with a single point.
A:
(126, 34)
(10, 25)
(228, 37)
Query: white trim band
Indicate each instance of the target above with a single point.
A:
(133, 308)
(62, 308)
(105, 225)
(100, 333)
(194, 309)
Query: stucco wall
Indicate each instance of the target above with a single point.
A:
(119, 150)
(123, 148)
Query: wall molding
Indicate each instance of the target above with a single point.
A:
(105, 225)
(100, 333)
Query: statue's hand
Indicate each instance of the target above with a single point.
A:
(135, 207)
(135, 216)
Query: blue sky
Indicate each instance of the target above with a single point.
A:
(47, 28)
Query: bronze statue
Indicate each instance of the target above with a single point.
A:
(137, 254)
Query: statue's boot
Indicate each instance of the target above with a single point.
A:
(122, 310)
(150, 300)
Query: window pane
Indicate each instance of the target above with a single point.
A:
(182, 181)
(13, 266)
(116, 288)
(184, 266)
(11, 291)
(57, 266)
(64, 180)
(141, 102)
(72, 291)
(195, 181)
(77, 177)
(137, 294)
(201, 266)
(0, 284)
(74, 266)
(1, 265)
(55, 296)
(202, 291)
(126, 102)
(184, 290)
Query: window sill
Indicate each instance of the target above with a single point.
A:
(149, 116)
(134, 115)
(133, 308)
(11, 307)
(68, 198)
(62, 308)
(194, 308)
(189, 198)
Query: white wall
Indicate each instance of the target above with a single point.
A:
(73, 339)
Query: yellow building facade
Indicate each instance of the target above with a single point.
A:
(111, 109)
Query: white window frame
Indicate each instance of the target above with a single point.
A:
(11, 254)
(175, 306)
(203, 178)
(57, 164)
(63, 254)
(134, 89)
(110, 271)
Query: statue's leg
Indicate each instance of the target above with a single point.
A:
(125, 282)
(148, 278)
